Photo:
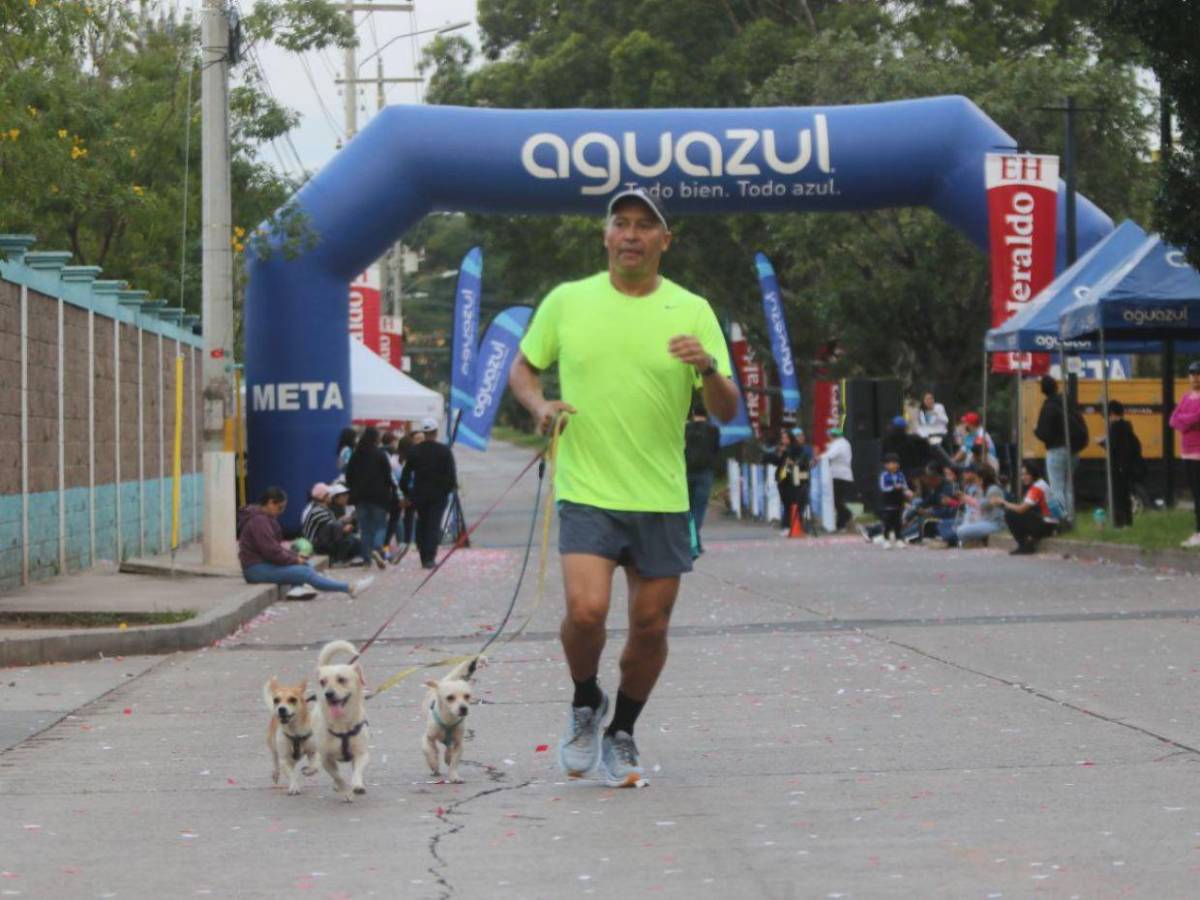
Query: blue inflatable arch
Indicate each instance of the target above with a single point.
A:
(412, 160)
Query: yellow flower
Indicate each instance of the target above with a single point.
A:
(137, 189)
(238, 247)
(14, 133)
(78, 152)
(62, 133)
(33, 3)
(54, 188)
(239, 231)
(133, 152)
(32, 110)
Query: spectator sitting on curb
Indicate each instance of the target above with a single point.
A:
(978, 517)
(266, 559)
(326, 529)
(977, 447)
(1033, 518)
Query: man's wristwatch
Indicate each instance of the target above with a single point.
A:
(711, 369)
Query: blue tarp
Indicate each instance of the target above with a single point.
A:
(1153, 293)
(1035, 327)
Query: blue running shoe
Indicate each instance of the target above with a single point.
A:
(579, 749)
(619, 761)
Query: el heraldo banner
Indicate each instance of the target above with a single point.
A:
(1022, 196)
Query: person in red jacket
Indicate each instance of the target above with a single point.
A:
(266, 559)
(1186, 420)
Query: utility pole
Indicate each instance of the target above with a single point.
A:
(220, 548)
(350, 78)
(1070, 110)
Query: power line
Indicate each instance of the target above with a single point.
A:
(332, 122)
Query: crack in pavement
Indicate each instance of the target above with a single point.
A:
(440, 865)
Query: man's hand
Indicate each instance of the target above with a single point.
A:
(690, 351)
(543, 416)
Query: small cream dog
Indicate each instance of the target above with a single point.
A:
(447, 704)
(290, 734)
(341, 724)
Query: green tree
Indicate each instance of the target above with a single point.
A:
(903, 292)
(1167, 31)
(100, 120)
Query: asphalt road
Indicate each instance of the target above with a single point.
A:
(835, 721)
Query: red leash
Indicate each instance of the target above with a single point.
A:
(463, 538)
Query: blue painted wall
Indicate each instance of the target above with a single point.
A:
(43, 526)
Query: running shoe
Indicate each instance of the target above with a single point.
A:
(579, 749)
(302, 592)
(619, 761)
(361, 585)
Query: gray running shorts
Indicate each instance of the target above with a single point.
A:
(658, 545)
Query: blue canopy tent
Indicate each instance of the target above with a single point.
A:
(1152, 294)
(1034, 328)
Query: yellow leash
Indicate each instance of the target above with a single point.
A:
(547, 512)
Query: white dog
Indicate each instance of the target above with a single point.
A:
(447, 704)
(341, 724)
(290, 734)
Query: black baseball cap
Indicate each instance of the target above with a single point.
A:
(643, 195)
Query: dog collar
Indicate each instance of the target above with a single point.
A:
(345, 736)
(448, 730)
(297, 742)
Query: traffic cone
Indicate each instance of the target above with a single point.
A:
(797, 527)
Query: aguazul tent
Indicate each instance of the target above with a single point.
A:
(1035, 327)
(1153, 293)
(380, 392)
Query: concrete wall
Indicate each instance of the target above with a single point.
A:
(87, 417)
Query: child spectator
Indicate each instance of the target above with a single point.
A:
(893, 493)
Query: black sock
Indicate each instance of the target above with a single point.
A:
(587, 693)
(625, 715)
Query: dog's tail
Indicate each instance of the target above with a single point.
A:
(466, 669)
(333, 648)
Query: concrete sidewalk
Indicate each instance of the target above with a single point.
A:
(216, 606)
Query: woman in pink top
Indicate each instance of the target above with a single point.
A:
(1186, 420)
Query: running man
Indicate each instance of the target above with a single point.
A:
(631, 348)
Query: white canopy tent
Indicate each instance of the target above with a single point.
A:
(380, 392)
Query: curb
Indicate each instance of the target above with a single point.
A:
(1119, 554)
(91, 643)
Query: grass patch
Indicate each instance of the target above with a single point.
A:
(1156, 530)
(518, 437)
(91, 619)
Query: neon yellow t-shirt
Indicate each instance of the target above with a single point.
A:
(623, 448)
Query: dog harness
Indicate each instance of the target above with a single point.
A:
(447, 730)
(297, 742)
(345, 736)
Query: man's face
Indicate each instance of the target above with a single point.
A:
(635, 240)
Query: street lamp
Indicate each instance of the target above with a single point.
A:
(443, 29)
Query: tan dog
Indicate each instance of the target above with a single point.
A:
(341, 726)
(290, 734)
(447, 704)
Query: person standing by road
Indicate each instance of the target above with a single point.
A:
(369, 477)
(701, 444)
(1186, 420)
(631, 348)
(1054, 429)
(428, 479)
(1125, 457)
(840, 457)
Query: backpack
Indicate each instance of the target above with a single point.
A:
(1078, 431)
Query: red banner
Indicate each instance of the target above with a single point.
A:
(827, 412)
(752, 374)
(1022, 193)
(364, 309)
(391, 340)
